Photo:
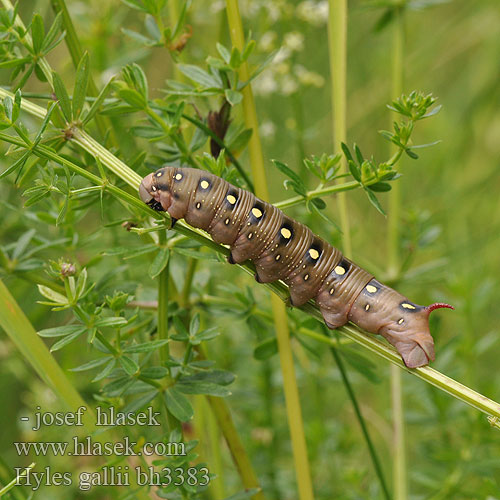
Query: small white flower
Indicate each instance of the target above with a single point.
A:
(267, 41)
(265, 84)
(294, 41)
(315, 13)
(267, 129)
(282, 55)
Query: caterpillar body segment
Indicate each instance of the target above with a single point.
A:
(284, 249)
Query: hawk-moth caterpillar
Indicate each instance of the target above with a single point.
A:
(284, 249)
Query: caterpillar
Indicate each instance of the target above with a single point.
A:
(284, 249)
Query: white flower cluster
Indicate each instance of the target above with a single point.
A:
(315, 13)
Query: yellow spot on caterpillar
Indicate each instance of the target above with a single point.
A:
(332, 290)
(367, 307)
(250, 236)
(278, 257)
(371, 288)
(159, 174)
(408, 306)
(306, 277)
(231, 199)
(339, 270)
(286, 233)
(204, 184)
(153, 188)
(178, 177)
(400, 322)
(226, 221)
(198, 205)
(256, 212)
(313, 253)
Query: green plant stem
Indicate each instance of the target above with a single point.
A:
(240, 457)
(162, 312)
(361, 420)
(294, 413)
(337, 50)
(399, 468)
(369, 341)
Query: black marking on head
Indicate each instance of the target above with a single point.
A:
(155, 205)
(162, 187)
(286, 233)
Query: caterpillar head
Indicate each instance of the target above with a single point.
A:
(408, 331)
(155, 190)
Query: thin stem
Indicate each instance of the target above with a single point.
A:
(337, 50)
(364, 429)
(240, 457)
(294, 413)
(399, 472)
(162, 312)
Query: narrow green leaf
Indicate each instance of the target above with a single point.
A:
(380, 187)
(178, 405)
(81, 85)
(98, 102)
(266, 349)
(201, 387)
(65, 341)
(52, 34)
(129, 365)
(146, 346)
(61, 331)
(154, 372)
(159, 263)
(374, 201)
(194, 325)
(37, 33)
(199, 75)
(90, 365)
(107, 369)
(62, 95)
(140, 402)
(233, 97)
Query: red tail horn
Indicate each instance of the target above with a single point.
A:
(438, 305)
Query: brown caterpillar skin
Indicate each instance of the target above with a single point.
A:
(284, 249)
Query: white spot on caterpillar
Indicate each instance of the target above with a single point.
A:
(159, 174)
(371, 288)
(278, 257)
(339, 270)
(332, 290)
(250, 236)
(226, 221)
(408, 306)
(198, 205)
(306, 277)
(231, 199)
(286, 233)
(256, 212)
(178, 177)
(204, 184)
(367, 307)
(401, 321)
(314, 254)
